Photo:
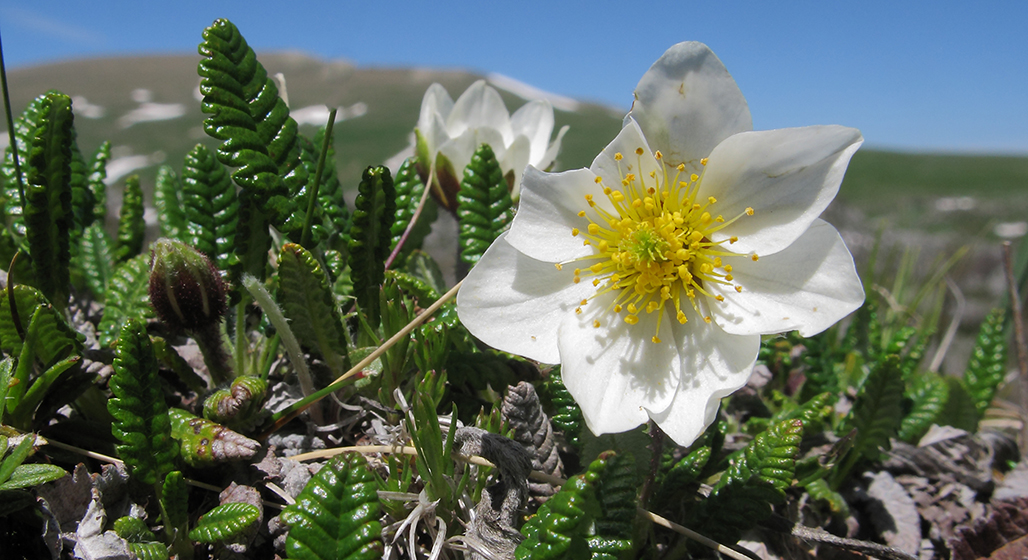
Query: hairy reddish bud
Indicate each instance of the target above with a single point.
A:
(186, 290)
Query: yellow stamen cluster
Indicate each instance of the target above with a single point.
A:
(655, 250)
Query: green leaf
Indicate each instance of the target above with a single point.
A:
(819, 490)
(204, 443)
(484, 207)
(369, 238)
(876, 415)
(961, 410)
(48, 212)
(133, 529)
(82, 202)
(409, 191)
(987, 365)
(6, 373)
(927, 395)
(27, 476)
(55, 339)
(307, 300)
(258, 136)
(567, 415)
(24, 132)
(211, 206)
(95, 181)
(330, 196)
(16, 457)
(167, 200)
(558, 529)
(224, 522)
(127, 297)
(94, 259)
(175, 502)
(23, 411)
(336, 516)
(237, 406)
(618, 496)
(142, 423)
(131, 227)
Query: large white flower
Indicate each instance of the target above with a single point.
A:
(448, 133)
(651, 275)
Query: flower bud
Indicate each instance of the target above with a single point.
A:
(186, 290)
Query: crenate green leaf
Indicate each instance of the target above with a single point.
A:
(28, 476)
(409, 191)
(167, 200)
(369, 238)
(986, 368)
(224, 522)
(94, 259)
(48, 213)
(142, 423)
(336, 516)
(307, 301)
(131, 227)
(127, 298)
(484, 207)
(211, 206)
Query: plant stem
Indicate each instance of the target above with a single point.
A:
(284, 416)
(413, 220)
(1020, 344)
(218, 361)
(10, 131)
(312, 192)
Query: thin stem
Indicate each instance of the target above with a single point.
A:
(10, 129)
(218, 361)
(312, 192)
(714, 545)
(412, 451)
(276, 317)
(241, 341)
(414, 218)
(1022, 346)
(283, 417)
(656, 451)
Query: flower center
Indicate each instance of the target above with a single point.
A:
(656, 250)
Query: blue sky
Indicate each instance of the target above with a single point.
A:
(935, 76)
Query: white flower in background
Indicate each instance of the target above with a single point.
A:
(651, 275)
(449, 132)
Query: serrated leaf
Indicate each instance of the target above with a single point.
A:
(307, 300)
(224, 522)
(95, 181)
(205, 443)
(878, 411)
(238, 405)
(558, 529)
(167, 200)
(987, 366)
(618, 496)
(336, 516)
(149, 550)
(927, 394)
(484, 207)
(82, 202)
(131, 228)
(94, 259)
(142, 423)
(258, 136)
(24, 131)
(133, 529)
(369, 238)
(127, 297)
(48, 212)
(55, 340)
(175, 501)
(409, 191)
(211, 206)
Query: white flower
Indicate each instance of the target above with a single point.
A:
(448, 134)
(651, 275)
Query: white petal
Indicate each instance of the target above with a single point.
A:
(547, 212)
(437, 102)
(787, 176)
(515, 303)
(534, 120)
(687, 103)
(808, 286)
(515, 159)
(480, 106)
(431, 134)
(714, 364)
(615, 372)
(551, 152)
(460, 149)
(626, 143)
